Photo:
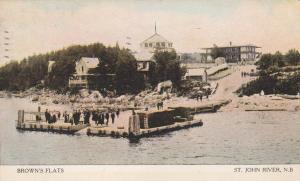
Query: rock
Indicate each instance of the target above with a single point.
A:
(36, 98)
(84, 93)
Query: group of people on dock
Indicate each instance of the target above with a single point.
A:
(83, 117)
(99, 117)
(50, 118)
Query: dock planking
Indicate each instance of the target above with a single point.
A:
(45, 127)
(107, 131)
(126, 125)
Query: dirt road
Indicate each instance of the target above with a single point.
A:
(231, 83)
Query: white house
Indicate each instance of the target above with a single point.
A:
(198, 74)
(85, 64)
(156, 42)
(144, 56)
(82, 68)
(50, 65)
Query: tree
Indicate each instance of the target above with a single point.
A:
(265, 61)
(293, 57)
(62, 69)
(167, 67)
(128, 79)
(278, 59)
(216, 52)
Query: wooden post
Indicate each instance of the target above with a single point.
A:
(20, 116)
(134, 125)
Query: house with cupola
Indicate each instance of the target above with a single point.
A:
(148, 47)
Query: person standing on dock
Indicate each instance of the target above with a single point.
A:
(71, 120)
(95, 117)
(47, 115)
(107, 117)
(58, 115)
(86, 117)
(74, 116)
(66, 117)
(118, 112)
(201, 97)
(53, 118)
(112, 115)
(101, 117)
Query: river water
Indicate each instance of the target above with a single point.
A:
(225, 138)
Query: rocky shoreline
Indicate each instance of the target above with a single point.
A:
(264, 103)
(148, 99)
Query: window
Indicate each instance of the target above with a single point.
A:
(146, 44)
(170, 44)
(163, 44)
(157, 44)
(82, 69)
(150, 44)
(144, 65)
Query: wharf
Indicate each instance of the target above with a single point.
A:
(55, 128)
(211, 106)
(106, 131)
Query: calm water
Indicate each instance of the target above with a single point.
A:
(225, 138)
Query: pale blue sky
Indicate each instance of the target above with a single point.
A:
(40, 26)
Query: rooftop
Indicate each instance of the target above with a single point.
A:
(143, 56)
(156, 38)
(234, 46)
(195, 72)
(90, 62)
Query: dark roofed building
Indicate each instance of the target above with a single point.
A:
(235, 54)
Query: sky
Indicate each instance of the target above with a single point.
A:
(37, 26)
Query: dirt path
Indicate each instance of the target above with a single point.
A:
(231, 83)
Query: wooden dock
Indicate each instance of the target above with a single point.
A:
(141, 124)
(54, 128)
(106, 132)
(203, 108)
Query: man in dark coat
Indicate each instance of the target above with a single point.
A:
(87, 116)
(118, 112)
(53, 119)
(47, 116)
(107, 118)
(76, 116)
(58, 115)
(112, 115)
(101, 117)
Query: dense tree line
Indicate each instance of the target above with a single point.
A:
(278, 73)
(273, 62)
(20, 76)
(119, 63)
(34, 70)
